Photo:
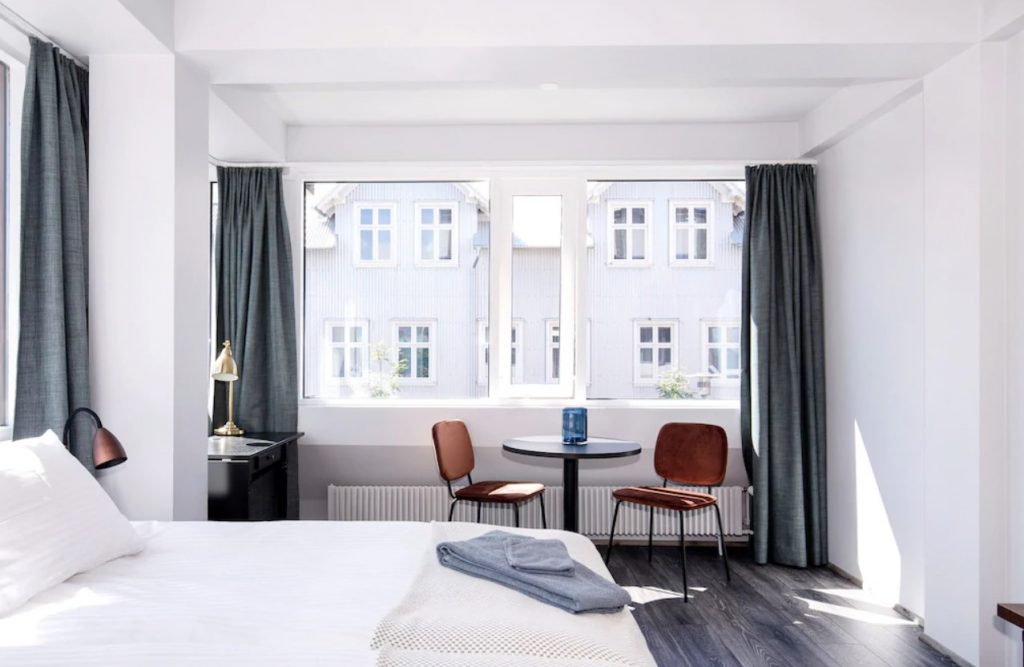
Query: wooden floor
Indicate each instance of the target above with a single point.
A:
(769, 615)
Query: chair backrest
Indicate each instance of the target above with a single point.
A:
(693, 454)
(453, 449)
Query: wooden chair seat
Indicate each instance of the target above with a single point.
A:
(499, 492)
(665, 498)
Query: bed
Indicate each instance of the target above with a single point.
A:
(254, 593)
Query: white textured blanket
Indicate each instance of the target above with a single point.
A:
(448, 618)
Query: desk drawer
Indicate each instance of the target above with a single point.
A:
(266, 459)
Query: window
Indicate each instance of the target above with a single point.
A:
(654, 344)
(346, 351)
(691, 229)
(521, 254)
(629, 234)
(628, 362)
(484, 357)
(437, 234)
(552, 350)
(414, 343)
(374, 234)
(721, 340)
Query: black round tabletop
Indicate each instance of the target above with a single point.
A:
(553, 447)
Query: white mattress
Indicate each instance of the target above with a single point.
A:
(279, 593)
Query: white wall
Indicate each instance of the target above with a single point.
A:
(149, 279)
(870, 194)
(922, 302)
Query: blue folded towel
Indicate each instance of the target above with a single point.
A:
(527, 554)
(485, 557)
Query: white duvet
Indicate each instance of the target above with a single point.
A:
(208, 593)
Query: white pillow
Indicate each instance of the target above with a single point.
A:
(55, 520)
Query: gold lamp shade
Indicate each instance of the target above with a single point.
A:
(226, 370)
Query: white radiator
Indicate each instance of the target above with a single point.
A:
(430, 503)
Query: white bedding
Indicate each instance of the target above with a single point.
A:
(277, 593)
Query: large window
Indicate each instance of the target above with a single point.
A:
(475, 286)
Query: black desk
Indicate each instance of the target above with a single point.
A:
(253, 482)
(553, 447)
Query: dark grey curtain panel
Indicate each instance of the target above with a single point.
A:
(255, 301)
(783, 358)
(53, 353)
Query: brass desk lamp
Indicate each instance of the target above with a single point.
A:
(226, 370)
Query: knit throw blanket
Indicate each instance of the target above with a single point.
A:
(448, 618)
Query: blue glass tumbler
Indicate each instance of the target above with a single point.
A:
(574, 426)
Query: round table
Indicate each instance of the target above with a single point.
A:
(551, 446)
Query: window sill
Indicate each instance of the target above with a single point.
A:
(519, 403)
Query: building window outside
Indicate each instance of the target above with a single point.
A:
(691, 233)
(346, 349)
(484, 351)
(629, 233)
(721, 342)
(414, 345)
(374, 234)
(437, 234)
(654, 350)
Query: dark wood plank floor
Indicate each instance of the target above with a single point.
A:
(769, 615)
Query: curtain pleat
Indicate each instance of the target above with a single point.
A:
(53, 352)
(255, 301)
(783, 361)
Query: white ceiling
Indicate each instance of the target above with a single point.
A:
(278, 63)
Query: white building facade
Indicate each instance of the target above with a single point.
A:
(396, 304)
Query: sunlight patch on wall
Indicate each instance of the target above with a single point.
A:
(878, 555)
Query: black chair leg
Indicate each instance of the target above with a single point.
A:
(611, 533)
(451, 508)
(682, 549)
(515, 510)
(479, 512)
(650, 537)
(543, 514)
(721, 544)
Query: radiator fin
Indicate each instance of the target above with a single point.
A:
(430, 503)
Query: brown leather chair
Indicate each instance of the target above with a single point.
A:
(689, 454)
(454, 451)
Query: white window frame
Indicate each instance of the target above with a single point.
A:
(483, 346)
(376, 228)
(721, 378)
(691, 229)
(549, 347)
(629, 205)
(573, 192)
(328, 345)
(435, 228)
(672, 345)
(414, 345)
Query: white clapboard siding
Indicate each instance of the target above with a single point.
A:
(430, 503)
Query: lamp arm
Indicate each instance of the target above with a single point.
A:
(71, 418)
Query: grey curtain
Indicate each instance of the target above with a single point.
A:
(255, 301)
(783, 358)
(53, 354)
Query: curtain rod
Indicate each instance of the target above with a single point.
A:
(19, 23)
(227, 163)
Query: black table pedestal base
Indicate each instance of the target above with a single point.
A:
(570, 494)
